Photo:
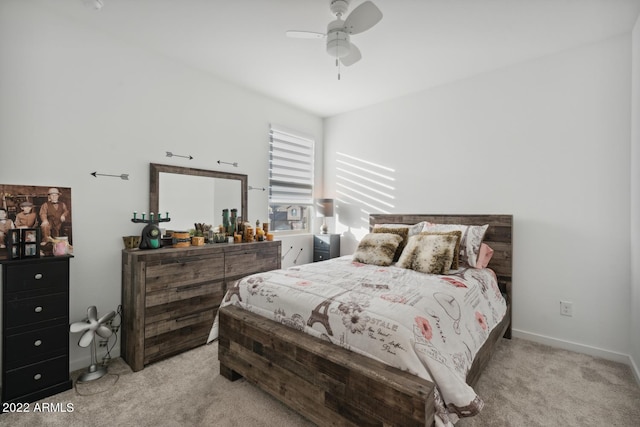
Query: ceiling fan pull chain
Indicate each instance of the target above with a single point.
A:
(338, 65)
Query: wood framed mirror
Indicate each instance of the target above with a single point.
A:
(193, 195)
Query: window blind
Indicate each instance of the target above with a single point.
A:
(290, 167)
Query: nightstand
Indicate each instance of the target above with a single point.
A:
(326, 246)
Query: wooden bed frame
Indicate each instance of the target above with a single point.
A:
(330, 385)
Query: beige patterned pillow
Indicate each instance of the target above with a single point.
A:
(413, 228)
(377, 248)
(429, 253)
(400, 231)
(472, 236)
(455, 264)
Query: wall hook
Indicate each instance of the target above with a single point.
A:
(257, 188)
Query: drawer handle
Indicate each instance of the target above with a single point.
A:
(189, 287)
(38, 276)
(37, 377)
(187, 261)
(38, 309)
(38, 343)
(192, 316)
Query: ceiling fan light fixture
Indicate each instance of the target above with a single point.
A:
(337, 45)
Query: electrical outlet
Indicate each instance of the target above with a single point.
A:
(566, 308)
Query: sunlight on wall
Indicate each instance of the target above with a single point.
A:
(362, 188)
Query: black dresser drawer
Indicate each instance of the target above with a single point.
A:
(33, 346)
(49, 275)
(31, 378)
(319, 255)
(26, 311)
(322, 242)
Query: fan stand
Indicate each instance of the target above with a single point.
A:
(94, 371)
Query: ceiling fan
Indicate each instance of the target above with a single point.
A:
(339, 45)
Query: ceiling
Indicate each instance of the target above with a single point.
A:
(418, 44)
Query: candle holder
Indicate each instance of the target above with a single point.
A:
(151, 236)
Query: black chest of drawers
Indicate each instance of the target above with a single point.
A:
(326, 246)
(35, 328)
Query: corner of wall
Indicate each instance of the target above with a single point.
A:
(634, 338)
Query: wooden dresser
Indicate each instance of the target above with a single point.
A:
(170, 296)
(35, 328)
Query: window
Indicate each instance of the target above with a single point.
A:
(291, 162)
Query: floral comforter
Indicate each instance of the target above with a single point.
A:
(429, 325)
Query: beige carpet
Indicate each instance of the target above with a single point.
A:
(526, 384)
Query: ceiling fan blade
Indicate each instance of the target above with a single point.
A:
(353, 56)
(86, 338)
(362, 18)
(305, 35)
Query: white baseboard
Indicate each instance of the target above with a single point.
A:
(635, 369)
(580, 348)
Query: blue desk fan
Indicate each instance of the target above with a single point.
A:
(90, 328)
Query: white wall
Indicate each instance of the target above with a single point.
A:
(75, 101)
(635, 201)
(546, 141)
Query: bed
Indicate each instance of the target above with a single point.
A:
(333, 385)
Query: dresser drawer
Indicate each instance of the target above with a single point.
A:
(320, 255)
(37, 376)
(26, 311)
(49, 275)
(176, 341)
(179, 272)
(322, 242)
(180, 302)
(186, 321)
(30, 347)
(243, 263)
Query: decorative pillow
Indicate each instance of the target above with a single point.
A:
(429, 253)
(455, 264)
(377, 248)
(484, 256)
(400, 231)
(413, 229)
(472, 236)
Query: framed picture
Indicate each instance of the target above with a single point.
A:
(13, 243)
(294, 213)
(30, 243)
(27, 206)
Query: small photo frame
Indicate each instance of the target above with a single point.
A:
(13, 243)
(30, 243)
(294, 213)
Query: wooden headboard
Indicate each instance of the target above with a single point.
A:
(499, 237)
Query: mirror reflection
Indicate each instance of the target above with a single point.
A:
(195, 195)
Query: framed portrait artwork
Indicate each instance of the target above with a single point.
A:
(42, 214)
(30, 243)
(13, 243)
